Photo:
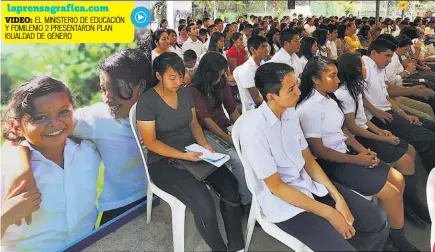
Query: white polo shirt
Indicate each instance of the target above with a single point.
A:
(376, 92)
(244, 76)
(69, 194)
(197, 46)
(292, 60)
(271, 145)
(349, 105)
(322, 118)
(393, 70)
(333, 47)
(124, 174)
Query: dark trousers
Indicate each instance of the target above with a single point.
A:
(317, 233)
(112, 214)
(195, 195)
(421, 137)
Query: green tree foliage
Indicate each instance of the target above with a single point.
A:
(75, 64)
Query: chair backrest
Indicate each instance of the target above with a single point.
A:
(249, 173)
(134, 128)
(430, 194)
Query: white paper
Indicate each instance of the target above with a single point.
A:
(216, 159)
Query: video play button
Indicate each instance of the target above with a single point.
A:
(141, 17)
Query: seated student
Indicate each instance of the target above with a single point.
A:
(123, 76)
(202, 35)
(389, 148)
(236, 54)
(191, 63)
(167, 122)
(307, 50)
(160, 43)
(173, 45)
(216, 44)
(290, 43)
(244, 74)
(210, 92)
(40, 116)
(384, 112)
(322, 121)
(321, 36)
(292, 190)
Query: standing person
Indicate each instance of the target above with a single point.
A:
(123, 76)
(167, 122)
(39, 117)
(236, 53)
(173, 45)
(212, 94)
(161, 43)
(322, 121)
(192, 43)
(389, 148)
(292, 189)
(384, 112)
(182, 34)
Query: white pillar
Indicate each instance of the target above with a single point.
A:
(170, 15)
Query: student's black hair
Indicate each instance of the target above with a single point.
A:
(202, 32)
(127, 69)
(181, 28)
(189, 27)
(255, 42)
(403, 41)
(306, 47)
(205, 19)
(314, 70)
(257, 31)
(212, 47)
(372, 22)
(234, 38)
(207, 73)
(170, 31)
(165, 61)
(332, 28)
(322, 26)
(364, 31)
(217, 21)
(263, 23)
(350, 74)
(189, 55)
(381, 45)
(210, 28)
(269, 37)
(162, 21)
(358, 22)
(298, 30)
(198, 22)
(390, 38)
(287, 36)
(22, 98)
(248, 26)
(268, 77)
(410, 32)
(341, 32)
(321, 35)
(156, 37)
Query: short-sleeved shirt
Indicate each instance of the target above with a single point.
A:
(69, 194)
(353, 43)
(271, 145)
(322, 118)
(349, 106)
(244, 76)
(293, 60)
(124, 175)
(206, 110)
(171, 125)
(239, 54)
(377, 91)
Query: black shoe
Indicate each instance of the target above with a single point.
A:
(422, 212)
(399, 240)
(412, 216)
(389, 246)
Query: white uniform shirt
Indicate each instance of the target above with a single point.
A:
(393, 70)
(176, 50)
(197, 46)
(269, 146)
(292, 60)
(303, 61)
(322, 118)
(333, 47)
(244, 77)
(124, 174)
(349, 106)
(376, 92)
(309, 28)
(68, 209)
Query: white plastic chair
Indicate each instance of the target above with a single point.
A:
(430, 194)
(255, 213)
(178, 209)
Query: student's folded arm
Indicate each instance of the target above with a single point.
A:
(351, 125)
(147, 130)
(317, 174)
(256, 151)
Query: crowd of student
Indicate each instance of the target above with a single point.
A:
(332, 109)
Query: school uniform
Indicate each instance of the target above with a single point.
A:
(386, 152)
(124, 174)
(292, 60)
(322, 118)
(272, 146)
(68, 209)
(421, 137)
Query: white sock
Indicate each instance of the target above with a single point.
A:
(242, 250)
